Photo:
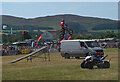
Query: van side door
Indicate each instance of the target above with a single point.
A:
(83, 49)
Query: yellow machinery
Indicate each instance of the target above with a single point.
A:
(25, 51)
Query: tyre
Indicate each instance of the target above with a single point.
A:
(89, 65)
(106, 64)
(67, 56)
(99, 66)
(83, 64)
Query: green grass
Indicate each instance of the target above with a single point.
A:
(58, 69)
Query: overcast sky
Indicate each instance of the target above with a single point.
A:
(39, 9)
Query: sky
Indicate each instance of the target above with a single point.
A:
(107, 10)
(60, 0)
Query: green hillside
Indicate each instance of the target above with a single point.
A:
(77, 23)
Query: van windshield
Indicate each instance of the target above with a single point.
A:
(92, 44)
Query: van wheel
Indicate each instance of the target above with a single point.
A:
(106, 64)
(67, 56)
(77, 57)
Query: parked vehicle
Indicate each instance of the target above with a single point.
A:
(80, 48)
(91, 61)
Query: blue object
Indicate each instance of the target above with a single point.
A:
(100, 59)
(11, 30)
(103, 58)
(64, 37)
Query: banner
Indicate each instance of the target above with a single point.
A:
(39, 39)
(69, 37)
(22, 31)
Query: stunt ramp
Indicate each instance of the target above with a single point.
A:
(14, 61)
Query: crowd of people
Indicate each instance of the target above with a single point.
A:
(24, 49)
(29, 46)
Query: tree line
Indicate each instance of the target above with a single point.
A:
(106, 26)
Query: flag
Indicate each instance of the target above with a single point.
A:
(32, 44)
(39, 39)
(22, 31)
(11, 30)
(4, 27)
(69, 37)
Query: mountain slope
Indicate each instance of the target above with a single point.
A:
(53, 22)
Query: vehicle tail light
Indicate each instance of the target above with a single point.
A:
(98, 55)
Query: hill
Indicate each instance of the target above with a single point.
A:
(77, 23)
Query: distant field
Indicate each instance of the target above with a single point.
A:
(8, 31)
(3, 33)
(58, 69)
(115, 31)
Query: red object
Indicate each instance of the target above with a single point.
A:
(60, 41)
(22, 31)
(98, 55)
(69, 37)
(64, 39)
(67, 27)
(39, 39)
(62, 23)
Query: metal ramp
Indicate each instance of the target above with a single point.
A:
(42, 50)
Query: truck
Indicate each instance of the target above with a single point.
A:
(80, 48)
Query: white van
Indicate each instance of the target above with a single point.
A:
(80, 48)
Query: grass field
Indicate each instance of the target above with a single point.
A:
(58, 69)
